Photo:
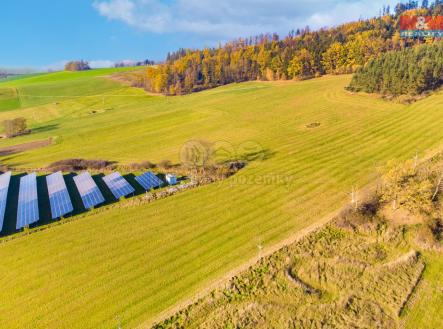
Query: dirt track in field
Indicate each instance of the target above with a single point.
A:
(24, 147)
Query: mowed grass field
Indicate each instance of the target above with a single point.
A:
(425, 309)
(128, 265)
(9, 99)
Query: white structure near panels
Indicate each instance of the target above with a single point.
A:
(171, 179)
(27, 212)
(58, 195)
(89, 191)
(148, 180)
(4, 186)
(118, 185)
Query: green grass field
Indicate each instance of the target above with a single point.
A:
(425, 310)
(131, 264)
(9, 99)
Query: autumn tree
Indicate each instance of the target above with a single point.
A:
(335, 59)
(301, 65)
(77, 66)
(15, 127)
(405, 186)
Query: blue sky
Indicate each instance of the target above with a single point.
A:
(43, 34)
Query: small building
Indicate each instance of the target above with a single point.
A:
(171, 179)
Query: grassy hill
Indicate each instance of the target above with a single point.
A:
(129, 264)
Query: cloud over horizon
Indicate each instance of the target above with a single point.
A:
(217, 20)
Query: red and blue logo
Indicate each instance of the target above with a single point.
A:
(421, 26)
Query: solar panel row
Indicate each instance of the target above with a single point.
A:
(59, 199)
(27, 212)
(89, 191)
(4, 186)
(118, 185)
(148, 180)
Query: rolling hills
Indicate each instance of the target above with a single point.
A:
(128, 265)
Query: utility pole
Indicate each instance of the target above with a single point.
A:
(260, 248)
(354, 198)
(416, 160)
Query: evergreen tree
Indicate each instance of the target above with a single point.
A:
(408, 71)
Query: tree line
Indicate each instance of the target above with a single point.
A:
(408, 71)
(302, 54)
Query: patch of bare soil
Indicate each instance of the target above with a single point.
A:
(401, 216)
(24, 147)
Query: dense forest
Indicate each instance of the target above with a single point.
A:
(409, 71)
(302, 54)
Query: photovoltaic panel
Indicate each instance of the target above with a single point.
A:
(4, 186)
(89, 191)
(148, 180)
(58, 195)
(27, 212)
(118, 185)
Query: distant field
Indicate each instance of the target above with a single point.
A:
(128, 265)
(18, 77)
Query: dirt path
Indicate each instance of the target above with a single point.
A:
(24, 147)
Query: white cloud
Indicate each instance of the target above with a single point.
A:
(101, 63)
(56, 66)
(220, 19)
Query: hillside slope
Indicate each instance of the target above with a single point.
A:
(129, 264)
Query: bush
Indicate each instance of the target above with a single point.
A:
(79, 164)
(165, 164)
(364, 217)
(429, 234)
(15, 127)
(142, 165)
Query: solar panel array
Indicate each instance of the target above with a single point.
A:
(59, 199)
(27, 212)
(4, 186)
(118, 185)
(89, 191)
(148, 180)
